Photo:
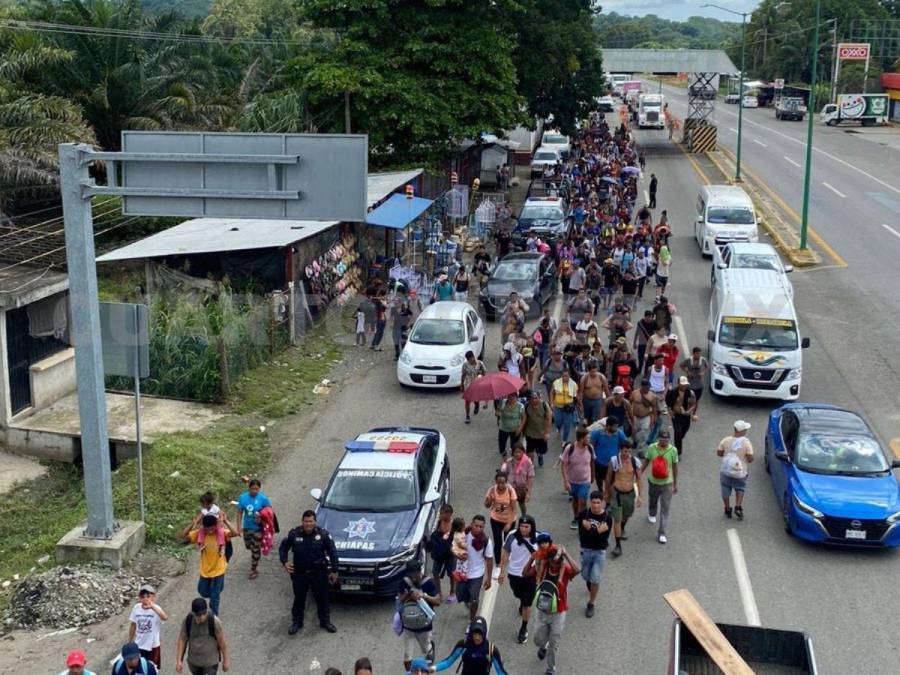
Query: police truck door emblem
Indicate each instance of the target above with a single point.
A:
(361, 528)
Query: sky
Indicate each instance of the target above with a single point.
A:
(677, 10)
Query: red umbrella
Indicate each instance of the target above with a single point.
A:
(493, 386)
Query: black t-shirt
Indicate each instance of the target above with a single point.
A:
(610, 277)
(591, 538)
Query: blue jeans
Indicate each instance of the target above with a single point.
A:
(564, 421)
(592, 563)
(211, 588)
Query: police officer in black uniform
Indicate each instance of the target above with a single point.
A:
(314, 567)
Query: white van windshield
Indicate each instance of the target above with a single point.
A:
(750, 333)
(729, 215)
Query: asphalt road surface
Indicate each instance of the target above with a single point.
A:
(844, 599)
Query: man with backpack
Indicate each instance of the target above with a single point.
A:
(203, 639)
(623, 491)
(553, 568)
(577, 467)
(662, 458)
(736, 452)
(606, 441)
(416, 598)
(594, 526)
(130, 662)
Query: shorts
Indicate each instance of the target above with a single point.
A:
(523, 588)
(621, 506)
(443, 567)
(728, 484)
(600, 473)
(416, 643)
(592, 563)
(580, 490)
(153, 655)
(469, 591)
(661, 280)
(697, 393)
(538, 445)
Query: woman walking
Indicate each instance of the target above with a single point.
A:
(502, 500)
(520, 470)
(517, 550)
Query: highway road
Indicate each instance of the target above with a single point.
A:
(741, 572)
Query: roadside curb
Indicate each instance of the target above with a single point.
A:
(784, 237)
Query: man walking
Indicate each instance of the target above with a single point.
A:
(606, 441)
(130, 662)
(145, 623)
(249, 505)
(314, 567)
(623, 492)
(538, 421)
(203, 640)
(662, 458)
(401, 314)
(736, 452)
(416, 598)
(75, 664)
(696, 367)
(553, 568)
(644, 411)
(577, 467)
(594, 526)
(472, 369)
(213, 563)
(479, 565)
(592, 390)
(682, 406)
(652, 190)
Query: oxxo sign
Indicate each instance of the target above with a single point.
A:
(851, 51)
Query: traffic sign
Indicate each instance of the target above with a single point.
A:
(198, 174)
(853, 51)
(779, 83)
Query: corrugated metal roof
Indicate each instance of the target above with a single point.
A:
(667, 61)
(217, 235)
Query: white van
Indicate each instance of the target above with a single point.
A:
(755, 348)
(724, 213)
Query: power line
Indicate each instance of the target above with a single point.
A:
(18, 230)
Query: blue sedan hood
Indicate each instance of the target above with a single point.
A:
(868, 497)
(367, 535)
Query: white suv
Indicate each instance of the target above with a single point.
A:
(553, 140)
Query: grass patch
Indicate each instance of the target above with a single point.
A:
(119, 284)
(177, 470)
(283, 386)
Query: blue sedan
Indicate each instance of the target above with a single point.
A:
(833, 479)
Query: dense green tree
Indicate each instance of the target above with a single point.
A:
(557, 59)
(416, 75)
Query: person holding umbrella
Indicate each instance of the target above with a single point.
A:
(472, 369)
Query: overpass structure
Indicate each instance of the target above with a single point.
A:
(703, 67)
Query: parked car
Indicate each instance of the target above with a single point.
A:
(437, 345)
(750, 101)
(606, 104)
(790, 108)
(732, 98)
(747, 255)
(542, 158)
(381, 504)
(705, 92)
(531, 275)
(832, 476)
(553, 140)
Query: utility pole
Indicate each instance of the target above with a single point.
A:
(346, 111)
(834, 62)
(804, 215)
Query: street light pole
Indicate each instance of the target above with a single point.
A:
(740, 126)
(804, 214)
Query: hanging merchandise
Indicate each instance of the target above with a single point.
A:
(485, 217)
(458, 201)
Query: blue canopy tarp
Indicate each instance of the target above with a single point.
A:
(397, 212)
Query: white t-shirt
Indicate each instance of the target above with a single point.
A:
(477, 558)
(147, 624)
(518, 555)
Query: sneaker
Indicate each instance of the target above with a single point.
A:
(542, 653)
(468, 419)
(451, 599)
(651, 519)
(573, 525)
(617, 551)
(662, 539)
(589, 611)
(477, 408)
(540, 460)
(739, 512)
(728, 512)
(295, 628)
(522, 636)
(330, 627)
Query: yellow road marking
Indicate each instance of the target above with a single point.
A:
(815, 236)
(895, 447)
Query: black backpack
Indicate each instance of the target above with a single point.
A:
(210, 622)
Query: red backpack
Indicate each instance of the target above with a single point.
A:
(623, 378)
(659, 468)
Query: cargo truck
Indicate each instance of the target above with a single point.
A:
(790, 108)
(869, 109)
(650, 111)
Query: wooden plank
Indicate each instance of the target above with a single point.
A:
(704, 629)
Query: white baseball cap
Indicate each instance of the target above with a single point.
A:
(672, 336)
(741, 425)
(618, 390)
(683, 380)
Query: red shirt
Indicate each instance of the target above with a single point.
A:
(670, 355)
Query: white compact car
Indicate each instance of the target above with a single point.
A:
(750, 101)
(748, 255)
(437, 345)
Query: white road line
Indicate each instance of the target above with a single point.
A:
(751, 612)
(558, 309)
(891, 230)
(834, 190)
(759, 142)
(488, 601)
(732, 130)
(788, 159)
(819, 150)
(682, 335)
(646, 196)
